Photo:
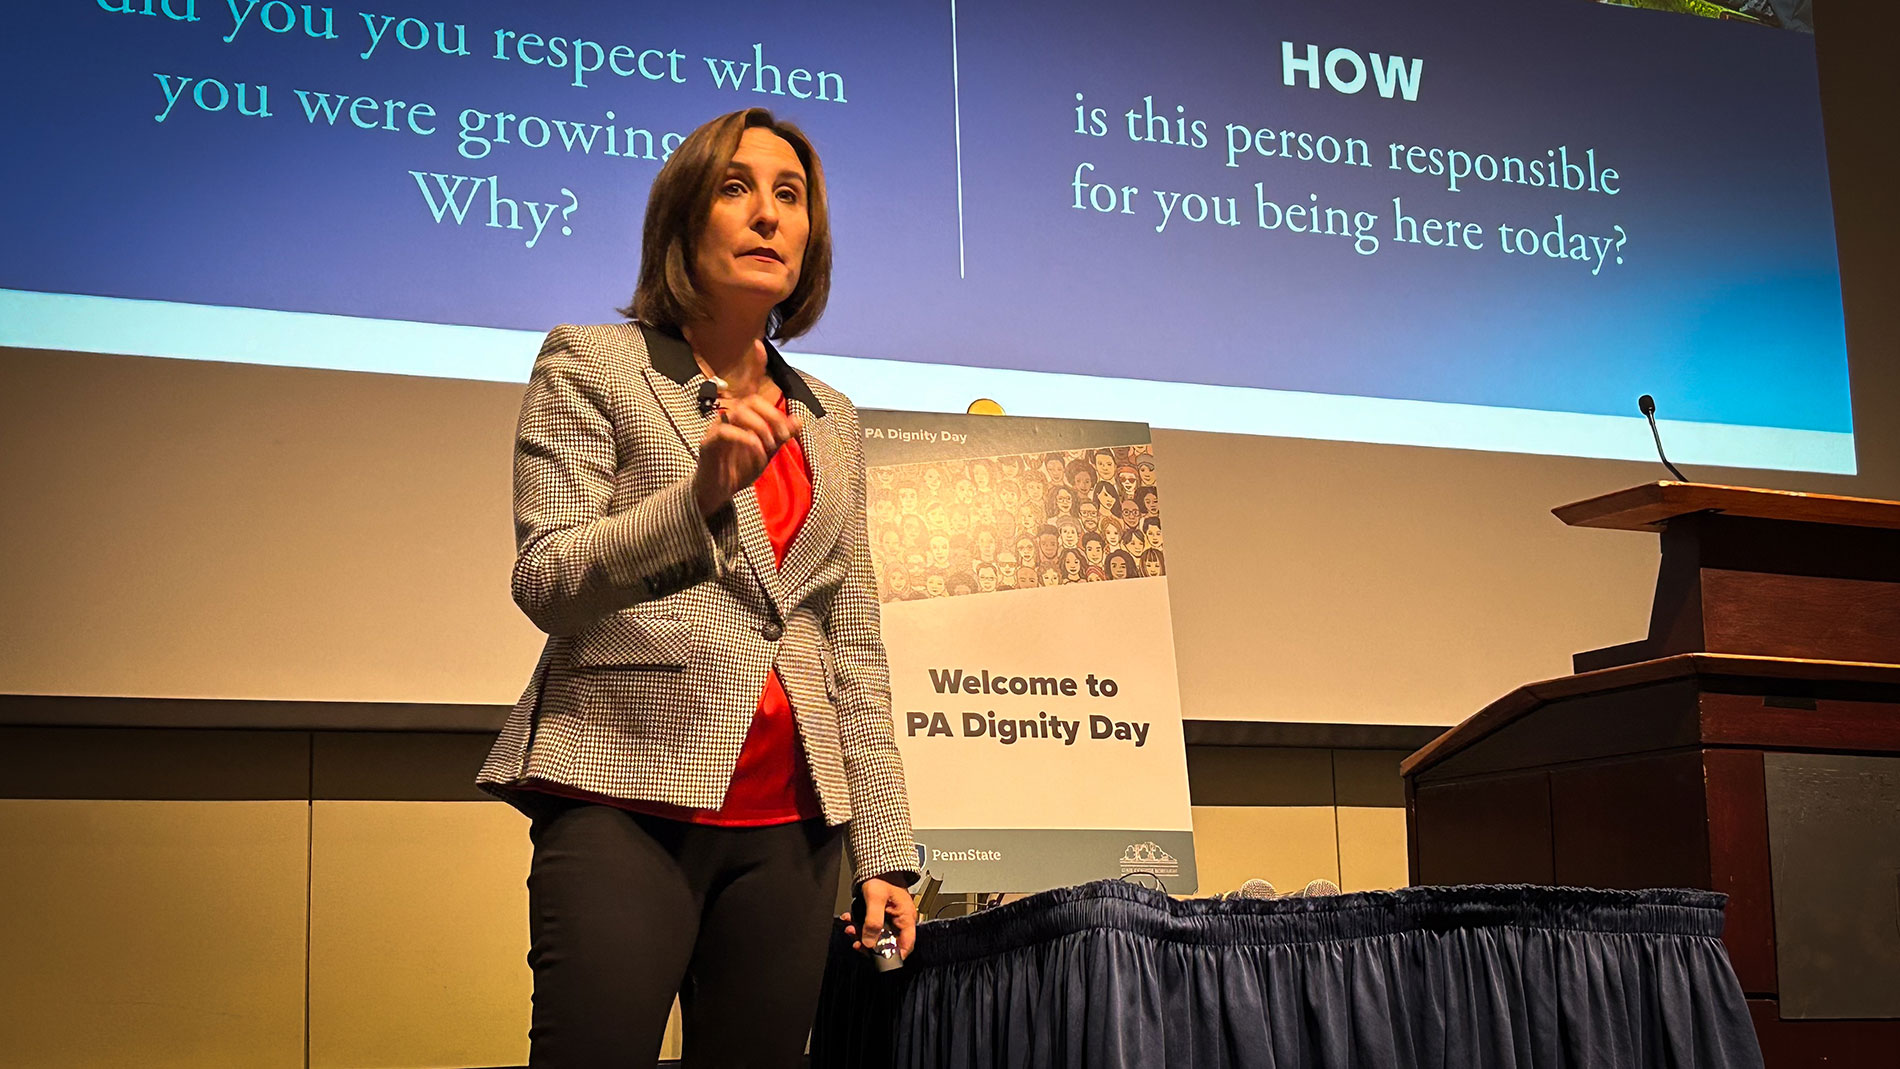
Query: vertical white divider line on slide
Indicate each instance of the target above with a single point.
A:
(956, 111)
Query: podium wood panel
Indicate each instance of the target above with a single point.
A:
(1774, 630)
(1777, 702)
(1738, 862)
(1493, 831)
(1764, 572)
(1630, 824)
(1822, 1044)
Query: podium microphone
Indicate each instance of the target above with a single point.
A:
(1647, 405)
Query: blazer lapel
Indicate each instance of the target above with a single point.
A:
(682, 408)
(674, 377)
(829, 498)
(758, 547)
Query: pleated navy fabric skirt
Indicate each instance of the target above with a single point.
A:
(1484, 977)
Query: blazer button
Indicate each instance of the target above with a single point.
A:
(771, 631)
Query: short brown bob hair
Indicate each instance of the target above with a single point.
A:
(681, 202)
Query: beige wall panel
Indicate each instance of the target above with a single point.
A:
(418, 935)
(1333, 581)
(139, 933)
(1284, 845)
(1372, 848)
(235, 531)
(1309, 581)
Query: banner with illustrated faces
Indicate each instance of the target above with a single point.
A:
(1023, 575)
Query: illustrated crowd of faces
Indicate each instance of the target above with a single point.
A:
(946, 528)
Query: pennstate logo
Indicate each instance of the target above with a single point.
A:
(1149, 857)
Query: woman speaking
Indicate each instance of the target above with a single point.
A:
(713, 701)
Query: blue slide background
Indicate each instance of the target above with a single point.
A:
(1727, 304)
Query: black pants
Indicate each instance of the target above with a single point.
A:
(626, 911)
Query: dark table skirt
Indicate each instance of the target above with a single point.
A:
(1109, 974)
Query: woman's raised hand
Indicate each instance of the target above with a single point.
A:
(739, 443)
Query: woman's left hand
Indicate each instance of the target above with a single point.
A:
(885, 903)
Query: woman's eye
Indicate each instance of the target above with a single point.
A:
(733, 189)
(788, 195)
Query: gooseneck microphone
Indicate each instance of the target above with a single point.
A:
(708, 398)
(1647, 405)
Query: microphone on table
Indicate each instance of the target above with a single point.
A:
(1254, 888)
(1320, 888)
(708, 398)
(1260, 889)
(1647, 406)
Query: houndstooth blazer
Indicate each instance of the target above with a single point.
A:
(662, 624)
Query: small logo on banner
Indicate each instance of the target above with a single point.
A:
(1149, 857)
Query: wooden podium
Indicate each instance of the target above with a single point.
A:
(1766, 694)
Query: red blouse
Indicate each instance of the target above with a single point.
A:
(772, 783)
